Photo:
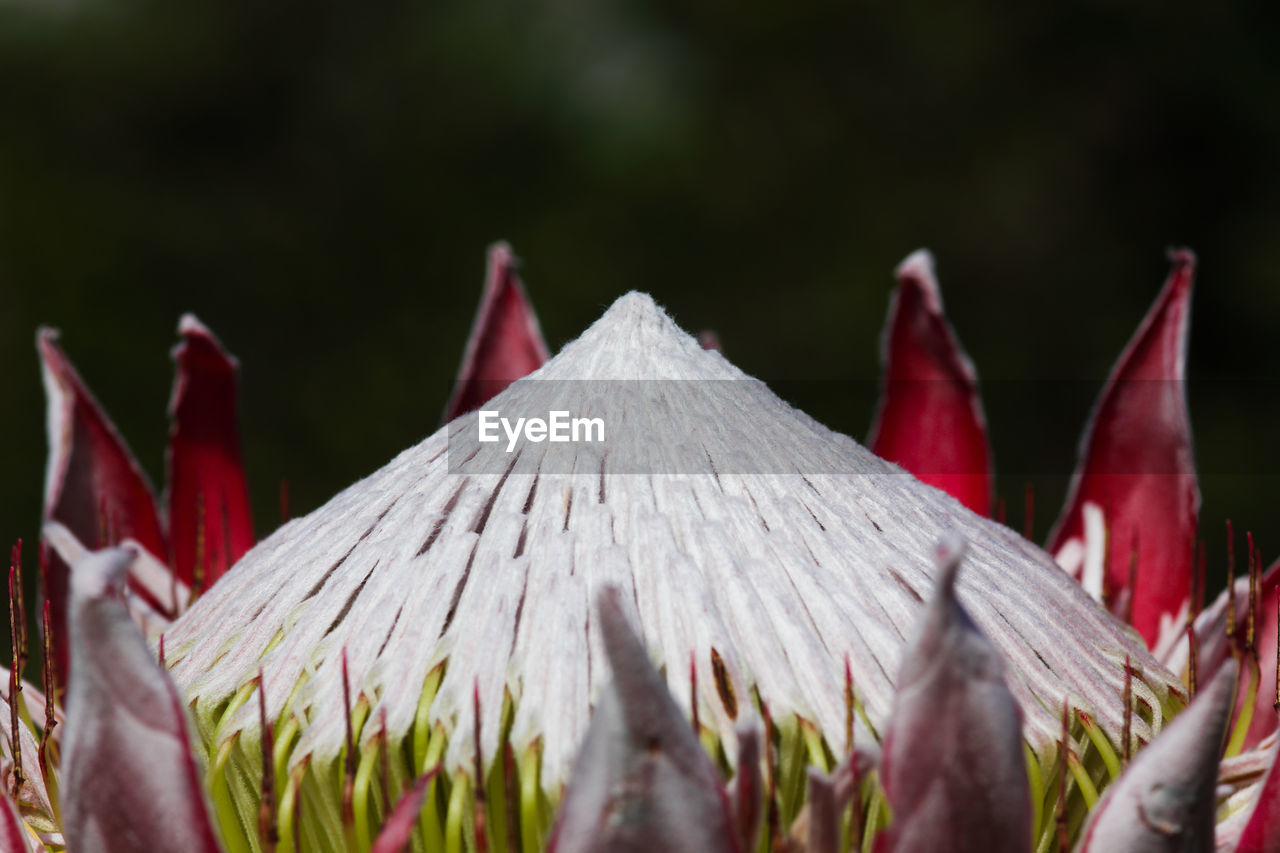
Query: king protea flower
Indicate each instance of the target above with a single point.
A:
(579, 646)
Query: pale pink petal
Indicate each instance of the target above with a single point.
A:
(1240, 781)
(14, 837)
(399, 826)
(506, 342)
(641, 781)
(953, 767)
(1216, 647)
(1262, 831)
(930, 418)
(1136, 465)
(31, 695)
(93, 484)
(129, 778)
(209, 517)
(1164, 802)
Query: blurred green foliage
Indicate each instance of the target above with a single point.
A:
(318, 183)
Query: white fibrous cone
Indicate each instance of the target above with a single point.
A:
(752, 544)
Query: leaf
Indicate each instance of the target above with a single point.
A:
(505, 343)
(93, 484)
(930, 418)
(210, 522)
(1136, 466)
(641, 781)
(1164, 801)
(130, 780)
(953, 768)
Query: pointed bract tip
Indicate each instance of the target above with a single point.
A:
(1182, 272)
(53, 360)
(953, 703)
(918, 268)
(918, 264)
(947, 555)
(46, 335)
(500, 255)
(505, 343)
(1182, 259)
(193, 331)
(640, 781)
(189, 324)
(101, 573)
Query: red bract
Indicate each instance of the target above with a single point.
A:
(505, 342)
(93, 485)
(210, 525)
(930, 419)
(13, 835)
(1136, 467)
(95, 488)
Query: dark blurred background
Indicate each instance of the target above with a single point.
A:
(318, 182)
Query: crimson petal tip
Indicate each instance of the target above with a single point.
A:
(506, 341)
(929, 419)
(210, 520)
(1136, 473)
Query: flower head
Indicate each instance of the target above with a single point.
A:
(594, 637)
(430, 584)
